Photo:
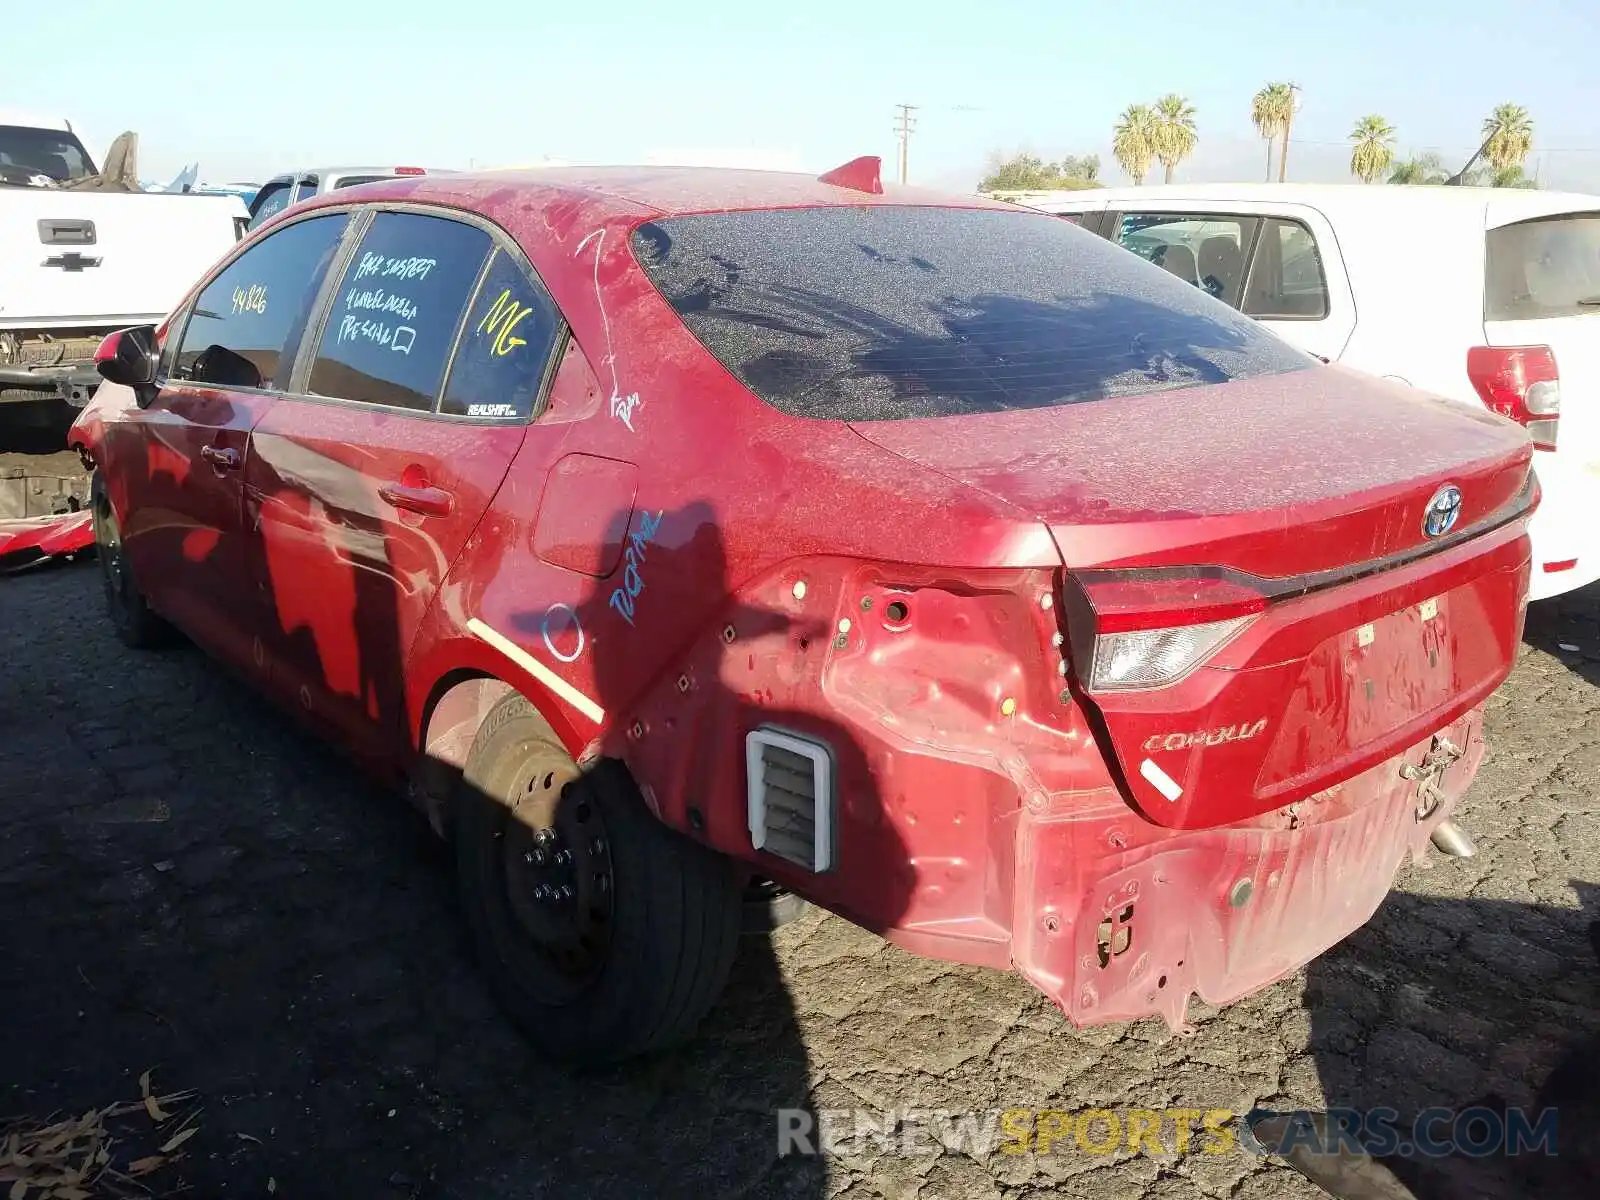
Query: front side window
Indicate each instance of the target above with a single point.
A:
(396, 311)
(269, 202)
(505, 345)
(1204, 249)
(887, 312)
(1287, 282)
(1549, 267)
(246, 325)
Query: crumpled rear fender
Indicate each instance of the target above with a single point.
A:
(976, 818)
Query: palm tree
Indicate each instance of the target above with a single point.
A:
(1511, 177)
(1133, 140)
(1374, 148)
(1271, 110)
(1488, 175)
(1419, 168)
(1508, 136)
(1174, 135)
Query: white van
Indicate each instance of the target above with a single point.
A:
(1487, 296)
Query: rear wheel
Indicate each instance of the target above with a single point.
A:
(134, 621)
(604, 934)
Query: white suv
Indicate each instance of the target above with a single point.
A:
(1487, 296)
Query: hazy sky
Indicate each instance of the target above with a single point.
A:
(249, 90)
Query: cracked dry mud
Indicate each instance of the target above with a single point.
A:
(192, 885)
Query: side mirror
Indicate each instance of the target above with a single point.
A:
(221, 367)
(128, 357)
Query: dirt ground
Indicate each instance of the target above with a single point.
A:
(37, 472)
(191, 886)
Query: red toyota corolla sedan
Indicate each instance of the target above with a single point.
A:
(939, 561)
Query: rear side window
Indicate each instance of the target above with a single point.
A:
(888, 312)
(1203, 249)
(1544, 268)
(392, 321)
(500, 361)
(246, 326)
(1287, 282)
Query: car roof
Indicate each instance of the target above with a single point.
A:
(661, 191)
(1501, 205)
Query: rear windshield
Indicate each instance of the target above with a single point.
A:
(1544, 268)
(345, 181)
(26, 152)
(883, 313)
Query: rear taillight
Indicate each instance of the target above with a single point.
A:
(1133, 632)
(1520, 382)
(1152, 658)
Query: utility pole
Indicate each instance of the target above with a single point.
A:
(1288, 123)
(904, 124)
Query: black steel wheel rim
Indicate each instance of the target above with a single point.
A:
(559, 880)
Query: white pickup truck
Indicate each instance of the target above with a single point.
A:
(84, 253)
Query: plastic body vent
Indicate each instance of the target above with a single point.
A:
(791, 802)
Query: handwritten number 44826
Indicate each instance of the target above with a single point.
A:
(623, 598)
(250, 299)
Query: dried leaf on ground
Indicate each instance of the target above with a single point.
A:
(180, 1139)
(143, 1166)
(71, 1159)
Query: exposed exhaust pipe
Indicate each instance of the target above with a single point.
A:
(1449, 838)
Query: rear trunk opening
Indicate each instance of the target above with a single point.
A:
(104, 259)
(1271, 586)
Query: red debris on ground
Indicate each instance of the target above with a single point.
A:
(25, 539)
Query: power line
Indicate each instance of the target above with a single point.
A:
(904, 124)
(1227, 139)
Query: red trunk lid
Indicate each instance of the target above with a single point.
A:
(1298, 499)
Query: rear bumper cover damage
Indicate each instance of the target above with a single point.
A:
(1116, 920)
(977, 820)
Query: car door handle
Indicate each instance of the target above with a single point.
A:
(429, 501)
(222, 458)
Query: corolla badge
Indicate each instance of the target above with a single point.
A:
(1443, 509)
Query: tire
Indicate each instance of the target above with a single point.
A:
(609, 970)
(132, 618)
(768, 906)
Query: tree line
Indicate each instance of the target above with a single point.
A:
(1164, 132)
